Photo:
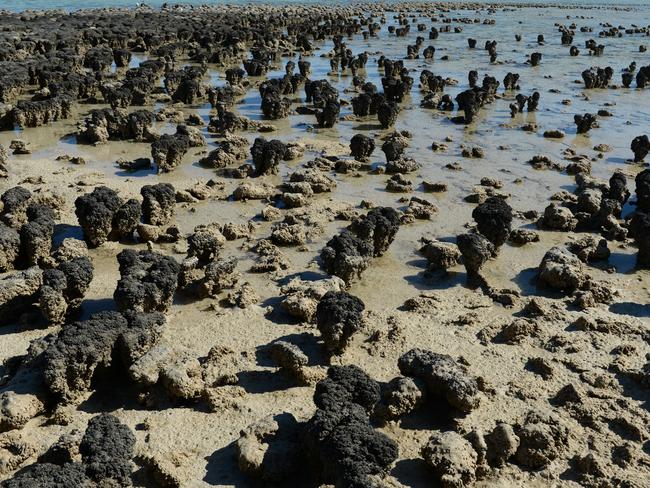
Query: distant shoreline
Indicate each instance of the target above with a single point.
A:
(73, 6)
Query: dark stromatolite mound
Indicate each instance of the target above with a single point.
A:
(14, 205)
(122, 57)
(47, 475)
(379, 227)
(38, 113)
(627, 78)
(328, 114)
(472, 78)
(348, 254)
(255, 67)
(98, 58)
(103, 216)
(319, 92)
(345, 384)
(80, 347)
(533, 102)
(361, 147)
(167, 152)
(36, 235)
(304, 67)
(205, 243)
(429, 52)
(267, 155)
(361, 104)
(339, 316)
(341, 442)
(148, 281)
(510, 81)
(235, 76)
(642, 181)
(64, 288)
(224, 97)
(387, 114)
(106, 449)
(643, 77)
(9, 247)
(396, 88)
(431, 83)
(640, 147)
(535, 59)
(158, 204)
(102, 125)
(494, 220)
(274, 105)
(14, 79)
(368, 102)
(476, 251)
(597, 77)
(584, 123)
(117, 96)
(618, 188)
(640, 230)
(71, 358)
(185, 85)
(470, 101)
(395, 144)
(444, 377)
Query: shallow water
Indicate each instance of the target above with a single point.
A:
(492, 129)
(506, 146)
(20, 5)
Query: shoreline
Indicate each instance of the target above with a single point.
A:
(398, 4)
